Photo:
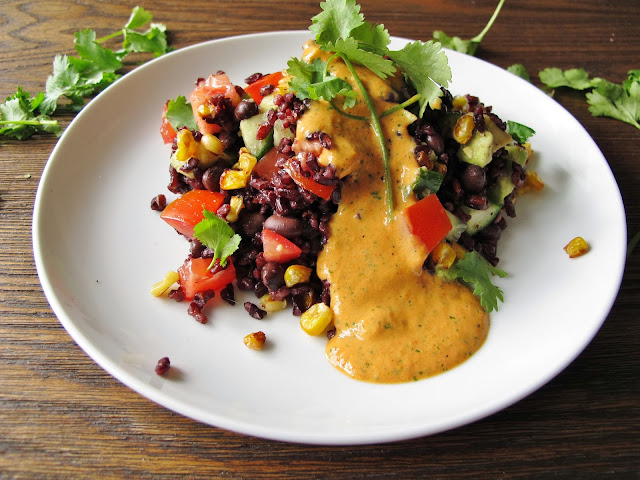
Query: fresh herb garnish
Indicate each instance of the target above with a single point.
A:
(519, 70)
(427, 182)
(606, 99)
(180, 114)
(216, 234)
(475, 271)
(342, 30)
(520, 132)
(76, 78)
(467, 46)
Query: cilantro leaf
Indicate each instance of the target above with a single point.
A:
(621, 102)
(427, 67)
(180, 114)
(379, 65)
(139, 18)
(618, 101)
(371, 37)
(336, 21)
(17, 118)
(467, 46)
(475, 271)
(215, 233)
(311, 81)
(520, 132)
(427, 182)
(576, 78)
(154, 40)
(519, 70)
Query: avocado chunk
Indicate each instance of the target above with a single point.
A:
(478, 150)
(457, 227)
(481, 219)
(249, 130)
(500, 190)
(517, 154)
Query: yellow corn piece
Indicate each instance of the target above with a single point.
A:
(532, 183)
(212, 143)
(443, 255)
(528, 149)
(187, 145)
(164, 286)
(255, 340)
(246, 161)
(460, 103)
(316, 319)
(459, 250)
(576, 247)
(205, 110)
(295, 274)
(436, 103)
(463, 129)
(233, 179)
(272, 305)
(283, 85)
(236, 204)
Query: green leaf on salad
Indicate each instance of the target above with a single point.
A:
(337, 20)
(310, 80)
(216, 234)
(475, 271)
(467, 46)
(180, 114)
(381, 66)
(520, 132)
(139, 18)
(427, 182)
(519, 70)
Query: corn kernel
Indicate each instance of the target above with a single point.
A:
(236, 204)
(246, 161)
(576, 247)
(164, 286)
(459, 250)
(255, 341)
(295, 274)
(233, 179)
(443, 255)
(463, 129)
(187, 145)
(461, 103)
(204, 110)
(271, 305)
(316, 319)
(532, 183)
(212, 143)
(436, 103)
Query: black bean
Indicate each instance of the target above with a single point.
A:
(245, 109)
(288, 227)
(211, 178)
(474, 178)
(436, 142)
(272, 275)
(251, 223)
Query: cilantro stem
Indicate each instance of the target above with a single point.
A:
(110, 36)
(478, 38)
(402, 105)
(348, 115)
(28, 122)
(377, 128)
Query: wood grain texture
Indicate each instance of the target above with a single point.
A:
(62, 416)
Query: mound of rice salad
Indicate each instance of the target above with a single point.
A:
(369, 204)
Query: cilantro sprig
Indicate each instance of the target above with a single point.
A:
(605, 99)
(216, 234)
(342, 30)
(475, 271)
(467, 46)
(180, 114)
(76, 78)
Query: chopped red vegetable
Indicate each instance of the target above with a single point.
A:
(277, 248)
(195, 277)
(254, 88)
(186, 211)
(428, 220)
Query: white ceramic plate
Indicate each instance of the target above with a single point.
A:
(99, 248)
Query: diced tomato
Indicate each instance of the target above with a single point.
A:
(218, 84)
(277, 248)
(194, 276)
(254, 88)
(186, 211)
(266, 166)
(428, 220)
(323, 191)
(166, 130)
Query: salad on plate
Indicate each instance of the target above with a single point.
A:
(352, 188)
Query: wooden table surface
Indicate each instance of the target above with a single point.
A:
(62, 416)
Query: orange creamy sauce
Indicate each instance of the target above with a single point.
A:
(394, 322)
